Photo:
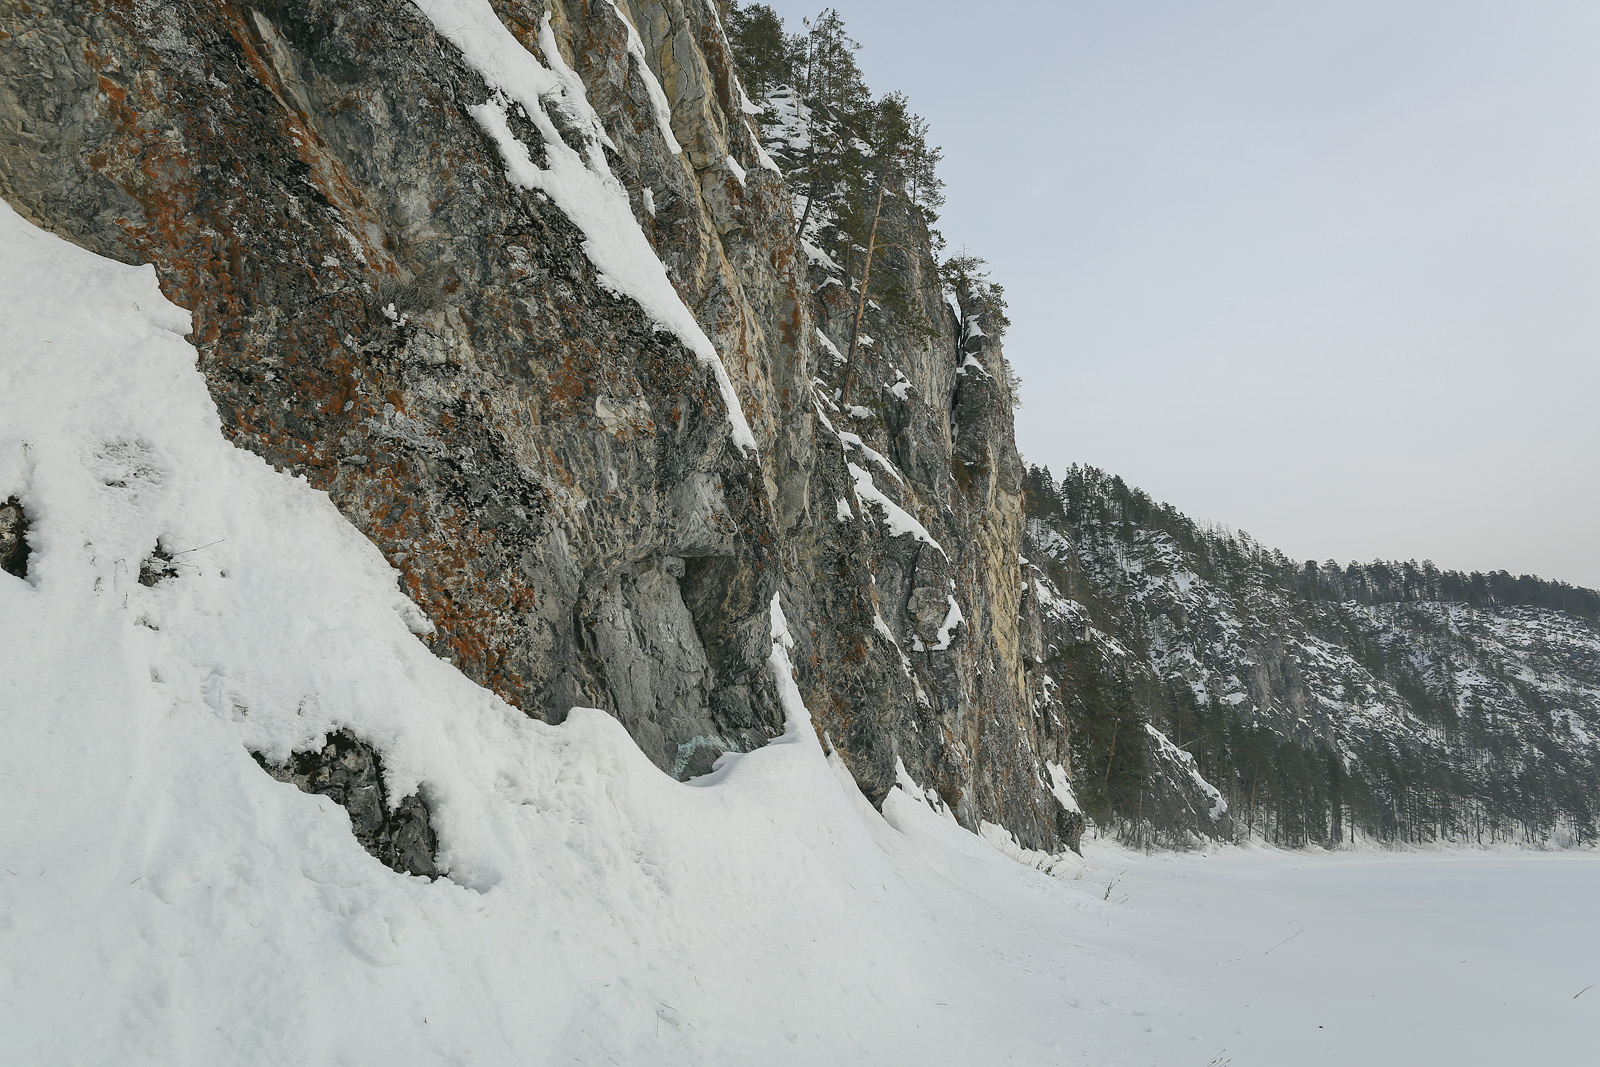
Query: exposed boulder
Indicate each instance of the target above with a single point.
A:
(14, 549)
(349, 772)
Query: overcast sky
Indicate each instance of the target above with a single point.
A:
(1326, 272)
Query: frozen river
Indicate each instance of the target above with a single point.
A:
(1262, 957)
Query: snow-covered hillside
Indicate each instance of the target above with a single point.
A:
(1392, 700)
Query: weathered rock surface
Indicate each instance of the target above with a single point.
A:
(380, 310)
(13, 538)
(349, 772)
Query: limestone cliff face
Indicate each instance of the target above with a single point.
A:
(380, 309)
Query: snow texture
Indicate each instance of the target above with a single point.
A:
(828, 346)
(762, 159)
(817, 256)
(1061, 786)
(947, 629)
(853, 441)
(900, 522)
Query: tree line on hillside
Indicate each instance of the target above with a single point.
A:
(1087, 495)
(1295, 793)
(1495, 778)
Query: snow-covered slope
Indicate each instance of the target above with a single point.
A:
(192, 909)
(1392, 699)
(164, 900)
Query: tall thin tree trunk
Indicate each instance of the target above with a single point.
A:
(861, 299)
(1111, 756)
(1250, 820)
(811, 198)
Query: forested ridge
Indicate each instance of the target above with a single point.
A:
(1088, 495)
(1392, 700)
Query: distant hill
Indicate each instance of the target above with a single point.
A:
(1388, 700)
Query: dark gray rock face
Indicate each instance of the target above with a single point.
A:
(378, 309)
(348, 772)
(13, 538)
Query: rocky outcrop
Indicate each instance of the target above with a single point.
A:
(381, 309)
(349, 772)
(13, 538)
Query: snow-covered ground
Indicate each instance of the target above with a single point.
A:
(162, 900)
(1269, 957)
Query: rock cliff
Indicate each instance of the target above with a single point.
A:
(408, 234)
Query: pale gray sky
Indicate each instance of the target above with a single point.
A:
(1327, 272)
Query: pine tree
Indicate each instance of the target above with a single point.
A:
(762, 52)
